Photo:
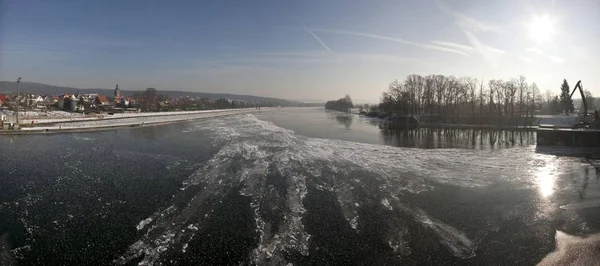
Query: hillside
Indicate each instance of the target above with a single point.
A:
(40, 88)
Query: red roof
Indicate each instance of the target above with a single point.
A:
(102, 98)
(2, 98)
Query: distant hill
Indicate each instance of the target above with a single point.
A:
(40, 88)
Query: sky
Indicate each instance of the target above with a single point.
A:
(307, 50)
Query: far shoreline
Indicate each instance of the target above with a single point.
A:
(536, 123)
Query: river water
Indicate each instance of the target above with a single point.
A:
(299, 186)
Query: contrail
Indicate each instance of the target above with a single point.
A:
(317, 37)
(461, 47)
(375, 36)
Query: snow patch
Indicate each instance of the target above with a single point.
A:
(455, 240)
(574, 250)
(386, 204)
(581, 205)
(143, 223)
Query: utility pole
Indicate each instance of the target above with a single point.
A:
(18, 93)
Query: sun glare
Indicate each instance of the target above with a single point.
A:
(541, 28)
(546, 176)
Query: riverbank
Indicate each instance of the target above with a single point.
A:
(533, 123)
(531, 127)
(482, 127)
(52, 117)
(120, 120)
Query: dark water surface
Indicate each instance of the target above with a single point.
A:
(320, 123)
(300, 186)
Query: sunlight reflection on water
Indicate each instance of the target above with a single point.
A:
(546, 175)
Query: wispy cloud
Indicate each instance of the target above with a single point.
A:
(489, 54)
(317, 38)
(263, 59)
(474, 25)
(467, 22)
(380, 37)
(470, 27)
(276, 60)
(544, 54)
(458, 46)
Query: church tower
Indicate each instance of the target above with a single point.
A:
(117, 93)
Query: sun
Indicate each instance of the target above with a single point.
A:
(541, 28)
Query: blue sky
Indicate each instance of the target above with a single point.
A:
(304, 50)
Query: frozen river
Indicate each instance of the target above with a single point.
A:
(300, 186)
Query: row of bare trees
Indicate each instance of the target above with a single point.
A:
(447, 96)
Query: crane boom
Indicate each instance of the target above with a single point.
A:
(578, 86)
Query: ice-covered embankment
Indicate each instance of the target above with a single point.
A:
(123, 120)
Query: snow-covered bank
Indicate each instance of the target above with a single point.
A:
(124, 120)
(62, 116)
(45, 117)
(558, 120)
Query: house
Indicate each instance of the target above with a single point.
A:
(61, 101)
(74, 103)
(85, 102)
(50, 101)
(3, 99)
(125, 101)
(38, 101)
(132, 102)
(101, 100)
(20, 99)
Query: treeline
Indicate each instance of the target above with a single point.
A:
(151, 101)
(342, 104)
(451, 97)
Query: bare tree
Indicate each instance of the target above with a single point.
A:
(149, 100)
(471, 88)
(440, 93)
(429, 93)
(509, 90)
(522, 91)
(535, 98)
(548, 96)
(482, 96)
(448, 97)
(589, 100)
(496, 94)
(411, 87)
